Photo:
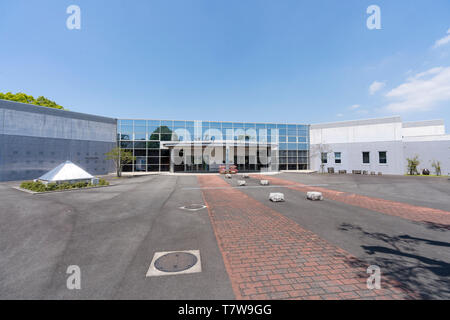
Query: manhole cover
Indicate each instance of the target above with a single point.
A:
(193, 207)
(175, 262)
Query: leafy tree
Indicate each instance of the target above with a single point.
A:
(437, 167)
(317, 151)
(24, 98)
(413, 163)
(120, 157)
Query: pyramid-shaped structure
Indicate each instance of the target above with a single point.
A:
(67, 171)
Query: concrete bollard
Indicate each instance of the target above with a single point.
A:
(245, 176)
(276, 197)
(241, 182)
(228, 176)
(314, 196)
(264, 182)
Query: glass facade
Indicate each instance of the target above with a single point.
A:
(144, 138)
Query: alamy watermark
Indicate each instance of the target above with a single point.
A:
(374, 20)
(73, 22)
(74, 279)
(374, 280)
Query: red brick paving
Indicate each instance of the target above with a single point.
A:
(269, 256)
(399, 209)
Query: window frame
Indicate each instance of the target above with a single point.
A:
(368, 154)
(385, 157)
(338, 160)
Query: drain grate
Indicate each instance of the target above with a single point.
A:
(171, 263)
(175, 262)
(193, 207)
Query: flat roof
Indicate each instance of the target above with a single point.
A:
(362, 122)
(423, 123)
(24, 107)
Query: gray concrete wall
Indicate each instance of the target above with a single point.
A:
(427, 152)
(351, 155)
(35, 139)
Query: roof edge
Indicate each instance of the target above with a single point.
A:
(25, 107)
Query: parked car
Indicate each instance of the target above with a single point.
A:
(232, 169)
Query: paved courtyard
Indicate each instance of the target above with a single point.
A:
(250, 247)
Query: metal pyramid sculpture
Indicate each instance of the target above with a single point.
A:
(67, 171)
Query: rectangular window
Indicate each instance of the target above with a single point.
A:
(366, 157)
(324, 156)
(382, 155)
(337, 157)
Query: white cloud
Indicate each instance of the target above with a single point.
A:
(340, 115)
(354, 107)
(422, 92)
(443, 41)
(376, 86)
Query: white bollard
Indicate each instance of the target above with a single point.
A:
(314, 195)
(228, 176)
(241, 182)
(264, 182)
(276, 197)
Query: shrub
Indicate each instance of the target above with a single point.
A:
(437, 167)
(52, 187)
(413, 163)
(103, 182)
(40, 187)
(34, 186)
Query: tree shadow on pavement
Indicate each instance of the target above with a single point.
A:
(434, 226)
(399, 260)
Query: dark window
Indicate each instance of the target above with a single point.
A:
(382, 156)
(324, 157)
(366, 157)
(165, 153)
(337, 157)
(153, 153)
(140, 153)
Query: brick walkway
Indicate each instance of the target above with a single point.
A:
(269, 256)
(399, 209)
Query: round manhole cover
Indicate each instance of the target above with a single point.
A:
(175, 262)
(193, 207)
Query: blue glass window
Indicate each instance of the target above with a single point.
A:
(167, 123)
(179, 124)
(155, 123)
(140, 136)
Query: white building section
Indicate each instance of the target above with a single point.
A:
(381, 145)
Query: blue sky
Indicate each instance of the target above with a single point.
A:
(254, 60)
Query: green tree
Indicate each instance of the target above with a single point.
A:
(120, 157)
(437, 167)
(413, 163)
(24, 98)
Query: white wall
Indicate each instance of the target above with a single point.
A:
(424, 131)
(356, 131)
(351, 138)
